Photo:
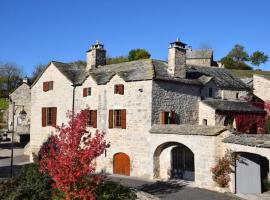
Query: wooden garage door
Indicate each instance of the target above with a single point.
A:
(121, 164)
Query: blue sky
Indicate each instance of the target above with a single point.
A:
(37, 31)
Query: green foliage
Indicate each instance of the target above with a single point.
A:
(230, 63)
(248, 73)
(30, 184)
(115, 60)
(238, 53)
(3, 104)
(257, 58)
(137, 54)
(267, 125)
(109, 190)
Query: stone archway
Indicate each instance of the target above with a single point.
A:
(121, 164)
(177, 161)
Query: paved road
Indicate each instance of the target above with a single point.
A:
(18, 160)
(171, 190)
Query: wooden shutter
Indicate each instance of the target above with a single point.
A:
(94, 118)
(123, 119)
(110, 118)
(162, 117)
(54, 116)
(43, 116)
(172, 119)
(45, 86)
(85, 92)
(121, 89)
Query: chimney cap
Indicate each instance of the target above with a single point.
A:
(178, 43)
(98, 45)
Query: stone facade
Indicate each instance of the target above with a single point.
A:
(261, 86)
(60, 97)
(199, 61)
(96, 56)
(22, 98)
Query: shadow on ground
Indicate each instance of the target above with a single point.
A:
(160, 187)
(5, 171)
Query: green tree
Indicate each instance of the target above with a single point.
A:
(238, 53)
(257, 58)
(137, 54)
(229, 63)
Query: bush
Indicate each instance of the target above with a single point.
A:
(30, 184)
(267, 125)
(110, 190)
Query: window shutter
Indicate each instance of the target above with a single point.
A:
(84, 92)
(162, 117)
(121, 89)
(172, 117)
(43, 117)
(94, 118)
(45, 86)
(110, 118)
(123, 118)
(54, 116)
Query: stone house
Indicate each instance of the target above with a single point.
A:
(21, 96)
(151, 110)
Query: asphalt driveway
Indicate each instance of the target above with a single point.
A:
(172, 190)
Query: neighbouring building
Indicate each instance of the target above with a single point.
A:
(175, 111)
(21, 96)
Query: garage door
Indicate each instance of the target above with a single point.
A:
(248, 174)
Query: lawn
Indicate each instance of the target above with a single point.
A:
(248, 73)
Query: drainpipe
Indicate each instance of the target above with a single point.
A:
(73, 101)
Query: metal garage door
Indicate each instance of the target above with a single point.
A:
(248, 174)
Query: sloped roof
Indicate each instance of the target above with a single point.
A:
(187, 129)
(149, 69)
(232, 106)
(200, 54)
(254, 140)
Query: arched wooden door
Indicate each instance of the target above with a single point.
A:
(121, 164)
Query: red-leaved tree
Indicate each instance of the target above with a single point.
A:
(68, 157)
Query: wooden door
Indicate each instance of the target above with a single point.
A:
(121, 164)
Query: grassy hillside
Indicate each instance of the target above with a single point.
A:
(248, 73)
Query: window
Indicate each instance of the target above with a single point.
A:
(210, 92)
(49, 116)
(87, 92)
(237, 95)
(119, 89)
(117, 118)
(47, 86)
(205, 122)
(167, 117)
(92, 118)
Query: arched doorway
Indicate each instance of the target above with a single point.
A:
(177, 159)
(182, 163)
(121, 164)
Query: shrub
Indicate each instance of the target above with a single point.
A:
(221, 171)
(110, 190)
(30, 184)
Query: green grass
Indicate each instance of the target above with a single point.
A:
(3, 104)
(248, 73)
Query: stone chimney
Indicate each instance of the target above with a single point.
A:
(177, 59)
(95, 56)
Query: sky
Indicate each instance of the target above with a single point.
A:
(35, 32)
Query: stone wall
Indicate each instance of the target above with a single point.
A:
(183, 99)
(21, 96)
(200, 62)
(261, 87)
(134, 140)
(208, 113)
(232, 94)
(215, 90)
(60, 97)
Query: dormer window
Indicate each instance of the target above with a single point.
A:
(87, 92)
(210, 92)
(119, 89)
(48, 85)
(167, 117)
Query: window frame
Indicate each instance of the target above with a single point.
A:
(210, 92)
(119, 89)
(117, 118)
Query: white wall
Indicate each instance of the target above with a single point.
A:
(261, 87)
(208, 113)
